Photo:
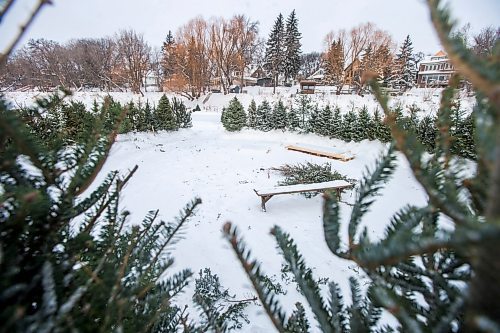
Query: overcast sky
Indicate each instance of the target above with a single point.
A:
(68, 19)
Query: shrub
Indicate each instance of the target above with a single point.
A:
(234, 117)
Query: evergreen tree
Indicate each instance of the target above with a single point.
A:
(182, 116)
(368, 60)
(303, 107)
(385, 131)
(252, 115)
(279, 118)
(336, 128)
(325, 121)
(140, 118)
(334, 64)
(380, 130)
(49, 127)
(95, 108)
(348, 131)
(413, 111)
(292, 47)
(313, 123)
(164, 116)
(169, 40)
(114, 110)
(463, 138)
(234, 117)
(405, 74)
(127, 125)
(168, 62)
(363, 126)
(427, 133)
(293, 119)
(400, 118)
(274, 60)
(264, 117)
(77, 121)
(149, 124)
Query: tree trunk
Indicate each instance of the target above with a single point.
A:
(275, 83)
(222, 82)
(242, 83)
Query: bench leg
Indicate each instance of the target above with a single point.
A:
(265, 199)
(339, 193)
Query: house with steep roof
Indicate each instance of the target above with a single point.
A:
(317, 76)
(435, 71)
(251, 75)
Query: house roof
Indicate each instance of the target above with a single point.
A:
(433, 61)
(251, 69)
(439, 57)
(319, 74)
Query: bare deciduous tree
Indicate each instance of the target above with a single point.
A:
(96, 59)
(223, 50)
(155, 66)
(247, 32)
(189, 55)
(354, 43)
(485, 41)
(133, 58)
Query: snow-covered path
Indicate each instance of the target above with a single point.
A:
(223, 169)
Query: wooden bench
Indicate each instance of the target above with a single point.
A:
(312, 151)
(267, 194)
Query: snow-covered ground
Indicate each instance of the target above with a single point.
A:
(223, 169)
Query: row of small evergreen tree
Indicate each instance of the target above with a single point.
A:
(355, 125)
(56, 120)
(167, 116)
